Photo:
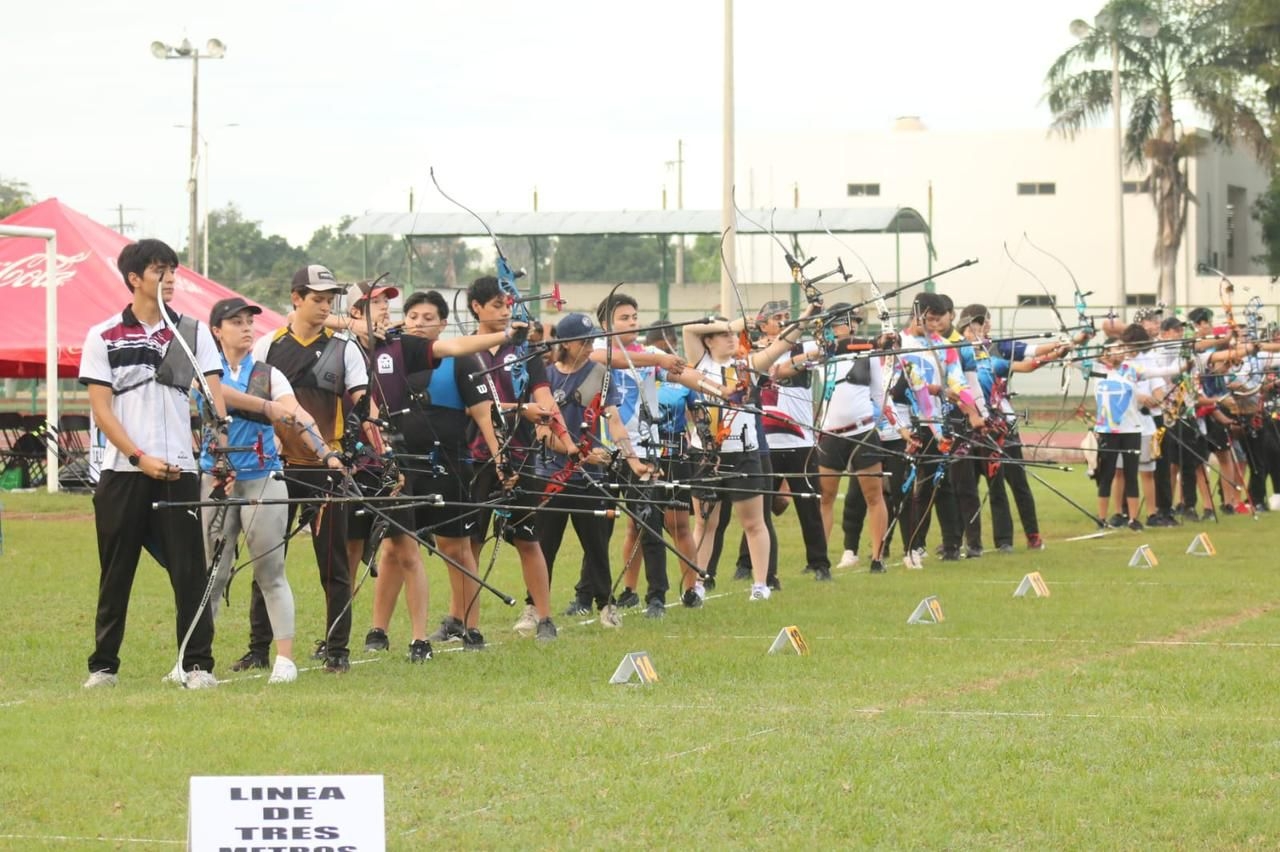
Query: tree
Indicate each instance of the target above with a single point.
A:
(609, 257)
(14, 196)
(242, 258)
(1256, 31)
(1192, 57)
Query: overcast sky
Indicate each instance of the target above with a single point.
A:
(342, 106)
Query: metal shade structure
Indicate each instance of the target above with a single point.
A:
(843, 220)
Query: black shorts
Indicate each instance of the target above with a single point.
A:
(856, 452)
(739, 477)
(517, 514)
(452, 482)
(678, 470)
(361, 516)
(1215, 434)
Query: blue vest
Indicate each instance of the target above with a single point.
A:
(245, 433)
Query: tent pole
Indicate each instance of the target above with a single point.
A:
(51, 357)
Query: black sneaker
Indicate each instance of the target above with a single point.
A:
(709, 582)
(450, 628)
(822, 575)
(337, 664)
(251, 660)
(1135, 525)
(877, 566)
(973, 552)
(1209, 515)
(1189, 514)
(628, 599)
(546, 630)
(472, 640)
(376, 640)
(690, 599)
(1004, 549)
(655, 609)
(1117, 521)
(773, 583)
(577, 607)
(950, 554)
(319, 652)
(419, 651)
(743, 572)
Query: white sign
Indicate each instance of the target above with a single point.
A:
(300, 813)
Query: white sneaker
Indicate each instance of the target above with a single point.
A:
(609, 616)
(912, 561)
(760, 593)
(97, 679)
(527, 623)
(197, 679)
(285, 671)
(847, 560)
(921, 554)
(700, 590)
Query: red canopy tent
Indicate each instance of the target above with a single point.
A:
(90, 289)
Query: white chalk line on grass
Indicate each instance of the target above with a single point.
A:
(1119, 717)
(68, 839)
(14, 703)
(1028, 640)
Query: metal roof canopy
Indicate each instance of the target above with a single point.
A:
(857, 220)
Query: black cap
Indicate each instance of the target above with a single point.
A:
(229, 308)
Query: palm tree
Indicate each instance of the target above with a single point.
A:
(1170, 51)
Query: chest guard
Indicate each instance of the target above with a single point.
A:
(176, 369)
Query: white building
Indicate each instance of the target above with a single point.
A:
(982, 190)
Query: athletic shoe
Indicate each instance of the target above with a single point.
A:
(973, 553)
(577, 607)
(951, 554)
(743, 572)
(450, 628)
(1227, 509)
(1117, 521)
(376, 640)
(102, 678)
(609, 616)
(1242, 509)
(1004, 549)
(1189, 514)
(1135, 525)
(877, 567)
(1209, 515)
(284, 672)
(419, 651)
(773, 583)
(318, 654)
(527, 623)
(655, 609)
(690, 599)
(848, 559)
(472, 640)
(337, 664)
(760, 593)
(546, 630)
(251, 660)
(1034, 541)
(628, 599)
(911, 562)
(197, 679)
(822, 575)
(1160, 521)
(921, 554)
(700, 589)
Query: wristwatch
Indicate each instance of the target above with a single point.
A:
(135, 458)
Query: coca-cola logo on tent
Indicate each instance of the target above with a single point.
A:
(30, 270)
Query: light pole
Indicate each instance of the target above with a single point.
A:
(204, 199)
(214, 49)
(1107, 22)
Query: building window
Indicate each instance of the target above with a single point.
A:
(1036, 300)
(1037, 188)
(1139, 300)
(862, 189)
(1133, 187)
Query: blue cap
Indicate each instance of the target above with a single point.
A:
(576, 325)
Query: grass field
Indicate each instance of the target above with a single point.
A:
(1132, 709)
